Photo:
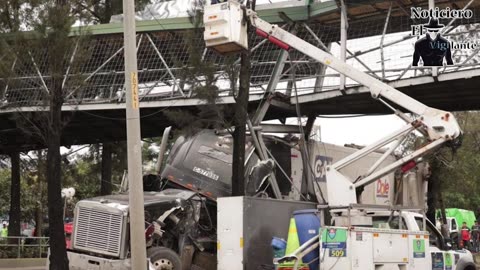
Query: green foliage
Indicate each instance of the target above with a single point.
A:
(4, 188)
(101, 11)
(459, 174)
(32, 194)
(200, 78)
(17, 14)
(93, 157)
(149, 154)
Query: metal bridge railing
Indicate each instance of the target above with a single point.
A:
(23, 247)
(381, 47)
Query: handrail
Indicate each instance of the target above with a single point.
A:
(21, 245)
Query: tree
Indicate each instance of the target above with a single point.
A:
(14, 213)
(198, 76)
(96, 157)
(49, 41)
(59, 21)
(31, 187)
(455, 175)
(240, 120)
(14, 14)
(101, 11)
(459, 173)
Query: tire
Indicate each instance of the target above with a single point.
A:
(163, 258)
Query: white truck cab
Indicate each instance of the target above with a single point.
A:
(415, 222)
(361, 238)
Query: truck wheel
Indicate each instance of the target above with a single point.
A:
(163, 258)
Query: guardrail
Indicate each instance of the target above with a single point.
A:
(23, 247)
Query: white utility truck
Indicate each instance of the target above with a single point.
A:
(353, 242)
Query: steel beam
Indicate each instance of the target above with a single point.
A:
(343, 41)
(166, 65)
(39, 73)
(70, 64)
(406, 37)
(262, 153)
(152, 87)
(382, 57)
(321, 67)
(96, 70)
(453, 19)
(319, 41)
(473, 54)
(362, 63)
(272, 128)
(4, 94)
(237, 62)
(272, 85)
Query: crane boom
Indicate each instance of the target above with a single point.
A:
(438, 126)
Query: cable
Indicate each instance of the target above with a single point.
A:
(300, 126)
(155, 18)
(123, 118)
(349, 116)
(203, 204)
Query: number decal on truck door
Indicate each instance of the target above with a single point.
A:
(335, 240)
(337, 253)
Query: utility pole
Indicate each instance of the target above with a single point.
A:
(431, 5)
(135, 191)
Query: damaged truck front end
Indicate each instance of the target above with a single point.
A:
(178, 230)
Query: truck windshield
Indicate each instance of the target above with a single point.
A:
(382, 222)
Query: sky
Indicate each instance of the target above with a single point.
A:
(358, 130)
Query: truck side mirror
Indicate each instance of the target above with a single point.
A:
(448, 243)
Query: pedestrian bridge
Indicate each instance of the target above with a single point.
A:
(379, 43)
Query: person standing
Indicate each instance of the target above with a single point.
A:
(4, 231)
(465, 236)
(476, 236)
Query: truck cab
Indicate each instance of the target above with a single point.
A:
(179, 231)
(415, 222)
(363, 238)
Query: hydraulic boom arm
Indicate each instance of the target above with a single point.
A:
(438, 126)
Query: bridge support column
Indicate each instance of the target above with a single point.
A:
(343, 41)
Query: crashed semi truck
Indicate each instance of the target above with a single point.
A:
(180, 204)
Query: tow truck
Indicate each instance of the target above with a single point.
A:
(353, 242)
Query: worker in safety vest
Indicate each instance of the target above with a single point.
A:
(465, 236)
(4, 231)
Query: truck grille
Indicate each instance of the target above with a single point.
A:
(98, 230)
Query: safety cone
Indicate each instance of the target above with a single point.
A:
(293, 243)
